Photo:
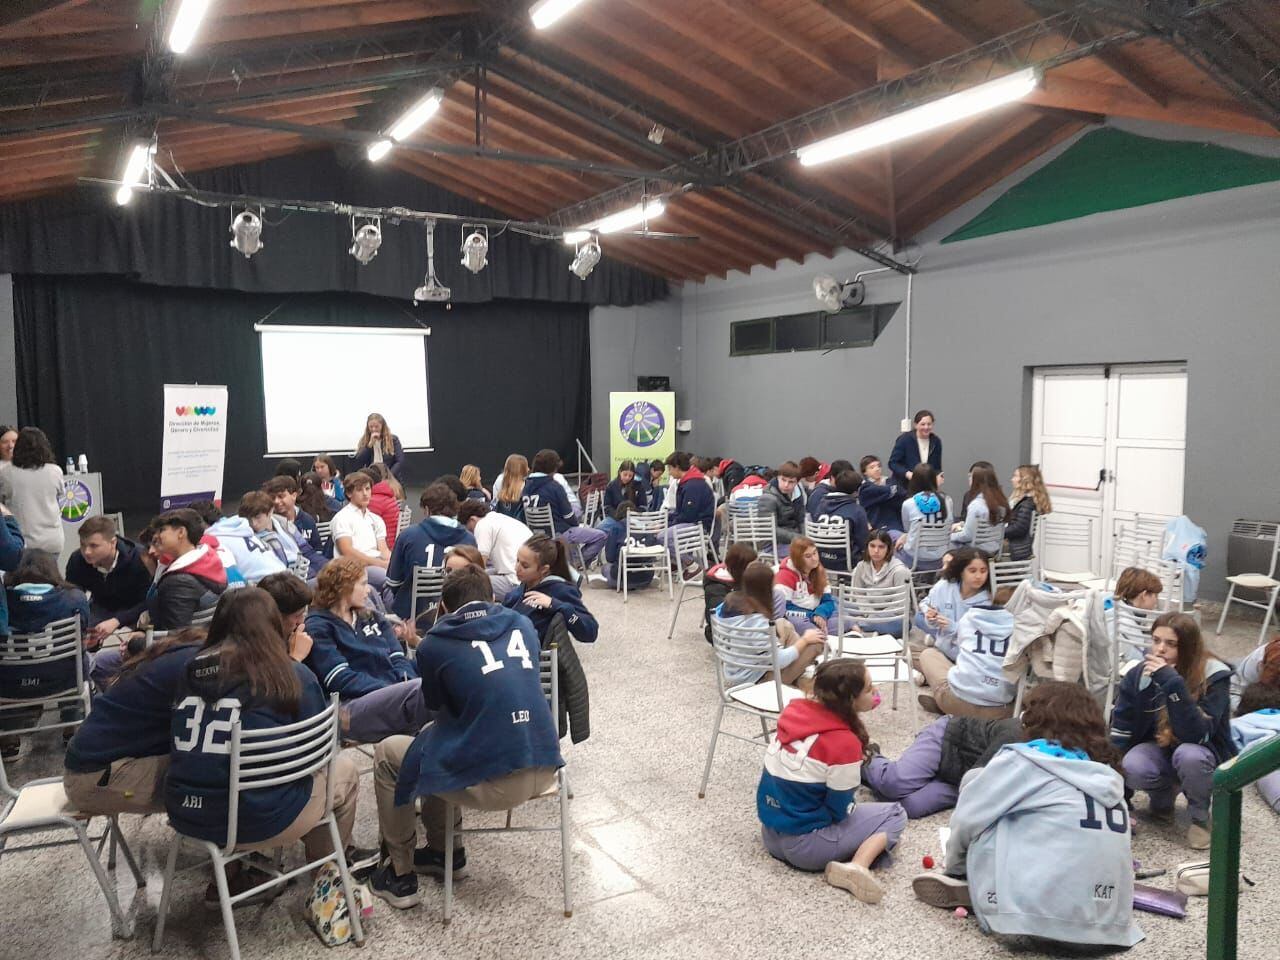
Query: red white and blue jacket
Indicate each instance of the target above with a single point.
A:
(811, 770)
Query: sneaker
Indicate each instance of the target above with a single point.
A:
(246, 878)
(855, 878)
(1198, 836)
(431, 862)
(927, 702)
(399, 891)
(940, 890)
(361, 862)
(691, 570)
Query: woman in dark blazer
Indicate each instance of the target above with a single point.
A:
(906, 449)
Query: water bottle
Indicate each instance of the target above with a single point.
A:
(82, 465)
(71, 466)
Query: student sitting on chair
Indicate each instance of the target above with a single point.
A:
(615, 528)
(879, 569)
(801, 588)
(359, 656)
(109, 569)
(986, 503)
(825, 483)
(469, 477)
(543, 490)
(499, 538)
(925, 504)
(319, 507)
(964, 583)
(880, 497)
(1040, 843)
(425, 544)
(296, 524)
(360, 534)
(783, 499)
(694, 504)
(508, 492)
(751, 605)
(1028, 498)
(384, 499)
(253, 558)
(546, 588)
(625, 486)
(974, 686)
(493, 744)
(841, 502)
(190, 576)
(326, 470)
(258, 509)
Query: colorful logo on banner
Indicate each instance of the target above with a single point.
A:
(642, 424)
(74, 501)
(190, 411)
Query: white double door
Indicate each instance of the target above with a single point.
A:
(1111, 443)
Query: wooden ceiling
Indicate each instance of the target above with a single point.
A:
(80, 77)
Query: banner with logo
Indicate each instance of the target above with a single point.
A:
(642, 426)
(195, 443)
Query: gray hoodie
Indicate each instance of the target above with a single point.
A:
(1044, 841)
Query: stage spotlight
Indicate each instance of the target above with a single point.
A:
(475, 247)
(365, 241)
(246, 233)
(432, 290)
(586, 258)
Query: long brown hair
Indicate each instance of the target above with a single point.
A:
(550, 553)
(1032, 485)
(249, 634)
(388, 438)
(817, 577)
(1193, 660)
(311, 498)
(514, 473)
(188, 637)
(836, 684)
(1068, 714)
(755, 591)
(983, 480)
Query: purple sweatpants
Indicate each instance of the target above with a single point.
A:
(589, 539)
(840, 841)
(912, 778)
(1269, 787)
(1160, 770)
(397, 708)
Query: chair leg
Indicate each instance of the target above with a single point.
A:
(121, 927)
(448, 861)
(911, 688)
(1266, 620)
(1226, 605)
(671, 629)
(138, 878)
(162, 912)
(565, 862)
(111, 845)
(509, 812)
(764, 729)
(711, 750)
(348, 888)
(224, 901)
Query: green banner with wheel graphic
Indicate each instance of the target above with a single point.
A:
(642, 427)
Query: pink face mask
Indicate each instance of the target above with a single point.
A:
(875, 699)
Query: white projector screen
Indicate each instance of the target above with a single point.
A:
(361, 370)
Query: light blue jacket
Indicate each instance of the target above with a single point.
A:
(945, 597)
(978, 510)
(982, 639)
(924, 508)
(1248, 670)
(1043, 838)
(1255, 727)
(254, 559)
(736, 675)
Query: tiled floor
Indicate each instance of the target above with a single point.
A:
(657, 872)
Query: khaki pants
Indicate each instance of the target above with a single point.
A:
(306, 827)
(935, 666)
(397, 824)
(130, 785)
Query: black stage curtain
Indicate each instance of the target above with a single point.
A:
(94, 352)
(174, 243)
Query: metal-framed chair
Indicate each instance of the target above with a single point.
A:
(888, 658)
(41, 807)
(988, 537)
(539, 520)
(932, 538)
(324, 530)
(404, 519)
(1130, 639)
(689, 541)
(426, 586)
(754, 649)
(300, 567)
(201, 618)
(1009, 573)
(1266, 583)
(831, 536)
(745, 506)
(1065, 532)
(760, 530)
(259, 760)
(549, 674)
(593, 509)
(59, 642)
(639, 556)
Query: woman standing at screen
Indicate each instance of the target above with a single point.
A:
(379, 445)
(918, 445)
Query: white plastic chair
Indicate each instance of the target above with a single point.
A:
(690, 541)
(262, 759)
(549, 674)
(888, 658)
(1266, 583)
(404, 519)
(593, 510)
(760, 530)
(754, 649)
(988, 537)
(1009, 573)
(426, 586)
(831, 536)
(1065, 532)
(59, 642)
(538, 519)
(637, 556)
(1130, 640)
(41, 806)
(932, 538)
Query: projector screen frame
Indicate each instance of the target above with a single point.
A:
(260, 328)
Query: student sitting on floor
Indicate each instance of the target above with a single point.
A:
(986, 503)
(1257, 719)
(881, 498)
(546, 588)
(784, 501)
(109, 569)
(974, 686)
(1262, 665)
(1040, 844)
(1028, 499)
(625, 486)
(358, 655)
(751, 605)
(543, 490)
(925, 506)
(190, 576)
(841, 502)
(878, 570)
(615, 529)
(359, 533)
(801, 585)
(425, 544)
(499, 538)
(963, 584)
(723, 578)
(808, 817)
(1172, 721)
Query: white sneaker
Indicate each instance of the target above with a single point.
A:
(1198, 836)
(855, 878)
(940, 890)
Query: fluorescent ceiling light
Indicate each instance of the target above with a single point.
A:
(547, 12)
(135, 169)
(929, 116)
(186, 23)
(631, 217)
(416, 115)
(379, 150)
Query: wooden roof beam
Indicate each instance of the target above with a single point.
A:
(869, 33)
(14, 12)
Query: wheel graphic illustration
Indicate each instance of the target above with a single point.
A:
(74, 501)
(641, 424)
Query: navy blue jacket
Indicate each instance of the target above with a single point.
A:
(32, 607)
(614, 494)
(566, 599)
(422, 545)
(906, 454)
(513, 509)
(1207, 722)
(695, 503)
(352, 661)
(131, 717)
(120, 594)
(394, 463)
(11, 544)
(882, 503)
(541, 490)
(306, 525)
(198, 782)
(480, 675)
(813, 504)
(846, 507)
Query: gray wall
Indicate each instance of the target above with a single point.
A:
(627, 342)
(1194, 280)
(8, 354)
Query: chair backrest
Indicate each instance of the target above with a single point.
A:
(1150, 527)
(405, 518)
(931, 541)
(1011, 572)
(1131, 630)
(538, 519)
(118, 519)
(1256, 530)
(745, 648)
(878, 604)
(755, 529)
(717, 488)
(988, 536)
(691, 541)
(646, 524)
(59, 641)
(324, 531)
(1131, 549)
(829, 533)
(594, 507)
(300, 567)
(426, 587)
(202, 618)
(274, 756)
